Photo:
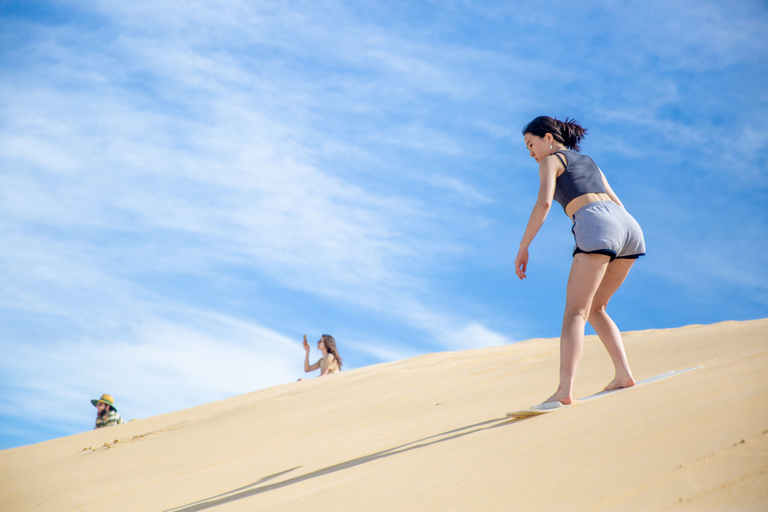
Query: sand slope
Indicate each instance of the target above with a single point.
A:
(429, 433)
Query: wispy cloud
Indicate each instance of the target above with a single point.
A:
(151, 365)
(184, 189)
(143, 159)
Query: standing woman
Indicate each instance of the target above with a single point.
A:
(608, 241)
(330, 362)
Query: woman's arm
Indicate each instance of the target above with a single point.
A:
(547, 177)
(310, 368)
(307, 367)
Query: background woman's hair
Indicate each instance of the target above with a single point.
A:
(330, 346)
(569, 132)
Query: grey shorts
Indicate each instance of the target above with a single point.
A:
(604, 227)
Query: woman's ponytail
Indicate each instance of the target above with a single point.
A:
(569, 132)
(572, 133)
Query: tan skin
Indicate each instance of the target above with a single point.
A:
(592, 281)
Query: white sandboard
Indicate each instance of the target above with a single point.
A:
(537, 410)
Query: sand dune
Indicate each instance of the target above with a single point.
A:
(429, 433)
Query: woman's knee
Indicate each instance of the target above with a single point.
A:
(597, 312)
(598, 308)
(577, 312)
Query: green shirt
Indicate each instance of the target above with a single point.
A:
(113, 418)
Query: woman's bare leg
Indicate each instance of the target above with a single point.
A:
(605, 327)
(587, 271)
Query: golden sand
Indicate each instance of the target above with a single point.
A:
(430, 433)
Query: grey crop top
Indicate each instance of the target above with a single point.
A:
(581, 176)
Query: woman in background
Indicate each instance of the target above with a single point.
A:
(330, 362)
(608, 240)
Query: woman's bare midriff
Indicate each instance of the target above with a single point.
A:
(584, 200)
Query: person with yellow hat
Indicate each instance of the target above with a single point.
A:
(106, 415)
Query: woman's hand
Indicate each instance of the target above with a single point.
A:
(308, 367)
(521, 263)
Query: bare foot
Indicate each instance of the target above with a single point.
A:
(563, 398)
(623, 381)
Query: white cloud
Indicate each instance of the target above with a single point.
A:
(136, 162)
(475, 335)
(166, 168)
(152, 366)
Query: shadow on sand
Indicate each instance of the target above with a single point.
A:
(257, 487)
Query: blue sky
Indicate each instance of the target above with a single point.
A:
(186, 188)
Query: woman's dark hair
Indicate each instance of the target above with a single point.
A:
(330, 346)
(568, 132)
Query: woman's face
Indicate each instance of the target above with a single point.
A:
(537, 146)
(321, 345)
(102, 408)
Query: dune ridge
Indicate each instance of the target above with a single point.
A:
(429, 433)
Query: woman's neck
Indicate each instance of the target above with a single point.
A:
(558, 147)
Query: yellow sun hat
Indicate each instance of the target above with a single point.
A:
(105, 399)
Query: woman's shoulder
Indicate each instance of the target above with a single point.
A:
(575, 157)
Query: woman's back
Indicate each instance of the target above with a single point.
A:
(581, 176)
(329, 362)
